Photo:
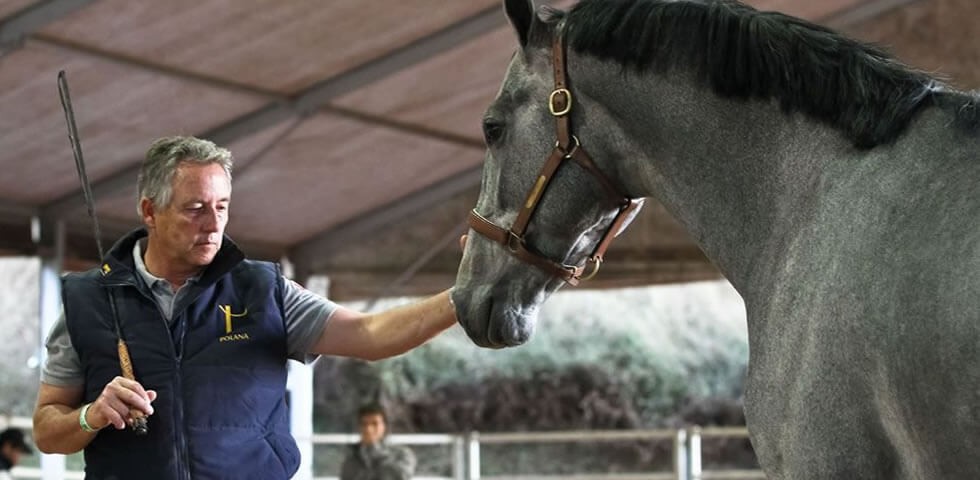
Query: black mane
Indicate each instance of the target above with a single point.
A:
(744, 53)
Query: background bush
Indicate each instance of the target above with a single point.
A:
(636, 358)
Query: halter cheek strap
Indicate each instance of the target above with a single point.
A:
(567, 147)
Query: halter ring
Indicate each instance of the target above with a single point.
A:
(597, 261)
(569, 153)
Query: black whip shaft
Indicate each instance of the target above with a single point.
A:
(76, 150)
(137, 417)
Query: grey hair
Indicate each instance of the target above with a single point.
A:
(156, 175)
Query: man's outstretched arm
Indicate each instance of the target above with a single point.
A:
(385, 334)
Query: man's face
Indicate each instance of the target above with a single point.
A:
(189, 230)
(11, 453)
(372, 428)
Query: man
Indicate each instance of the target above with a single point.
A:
(12, 446)
(208, 332)
(373, 458)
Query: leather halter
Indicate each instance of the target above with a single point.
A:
(567, 147)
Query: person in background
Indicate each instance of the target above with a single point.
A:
(209, 333)
(12, 446)
(373, 458)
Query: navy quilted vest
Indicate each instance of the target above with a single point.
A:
(219, 372)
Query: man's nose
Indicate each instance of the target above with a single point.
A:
(211, 221)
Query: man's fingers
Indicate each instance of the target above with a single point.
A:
(462, 242)
(130, 385)
(108, 410)
(131, 395)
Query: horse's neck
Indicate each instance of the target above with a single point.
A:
(735, 173)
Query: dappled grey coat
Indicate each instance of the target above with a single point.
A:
(380, 461)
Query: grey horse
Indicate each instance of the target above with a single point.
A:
(835, 188)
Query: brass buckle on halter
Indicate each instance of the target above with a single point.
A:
(568, 102)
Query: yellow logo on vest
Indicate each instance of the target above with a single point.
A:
(229, 315)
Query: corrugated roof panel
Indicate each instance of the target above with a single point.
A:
(118, 109)
(9, 7)
(813, 11)
(274, 45)
(448, 92)
(332, 169)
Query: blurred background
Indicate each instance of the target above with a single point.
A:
(356, 130)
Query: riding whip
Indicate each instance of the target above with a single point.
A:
(137, 419)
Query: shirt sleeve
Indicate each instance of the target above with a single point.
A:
(306, 315)
(62, 367)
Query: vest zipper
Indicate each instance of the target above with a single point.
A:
(184, 463)
(181, 454)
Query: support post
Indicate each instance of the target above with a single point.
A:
(299, 387)
(51, 239)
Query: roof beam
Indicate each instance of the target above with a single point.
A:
(862, 12)
(406, 127)
(309, 100)
(14, 238)
(149, 65)
(312, 253)
(9, 209)
(34, 17)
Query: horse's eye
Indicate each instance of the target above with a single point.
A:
(492, 130)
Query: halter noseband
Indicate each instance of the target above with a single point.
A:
(567, 147)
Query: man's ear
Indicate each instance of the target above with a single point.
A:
(147, 213)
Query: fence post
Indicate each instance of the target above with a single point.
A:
(459, 457)
(694, 453)
(680, 455)
(473, 456)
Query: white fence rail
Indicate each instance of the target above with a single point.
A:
(465, 449)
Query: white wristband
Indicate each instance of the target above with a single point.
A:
(84, 423)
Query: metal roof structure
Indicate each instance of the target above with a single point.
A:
(355, 123)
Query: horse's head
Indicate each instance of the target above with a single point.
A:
(546, 211)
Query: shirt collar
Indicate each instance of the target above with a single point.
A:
(150, 279)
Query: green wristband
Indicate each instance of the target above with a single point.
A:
(81, 420)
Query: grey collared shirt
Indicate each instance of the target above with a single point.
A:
(305, 314)
(163, 291)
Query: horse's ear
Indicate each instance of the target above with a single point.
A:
(521, 15)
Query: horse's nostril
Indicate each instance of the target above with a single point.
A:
(518, 335)
(510, 330)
